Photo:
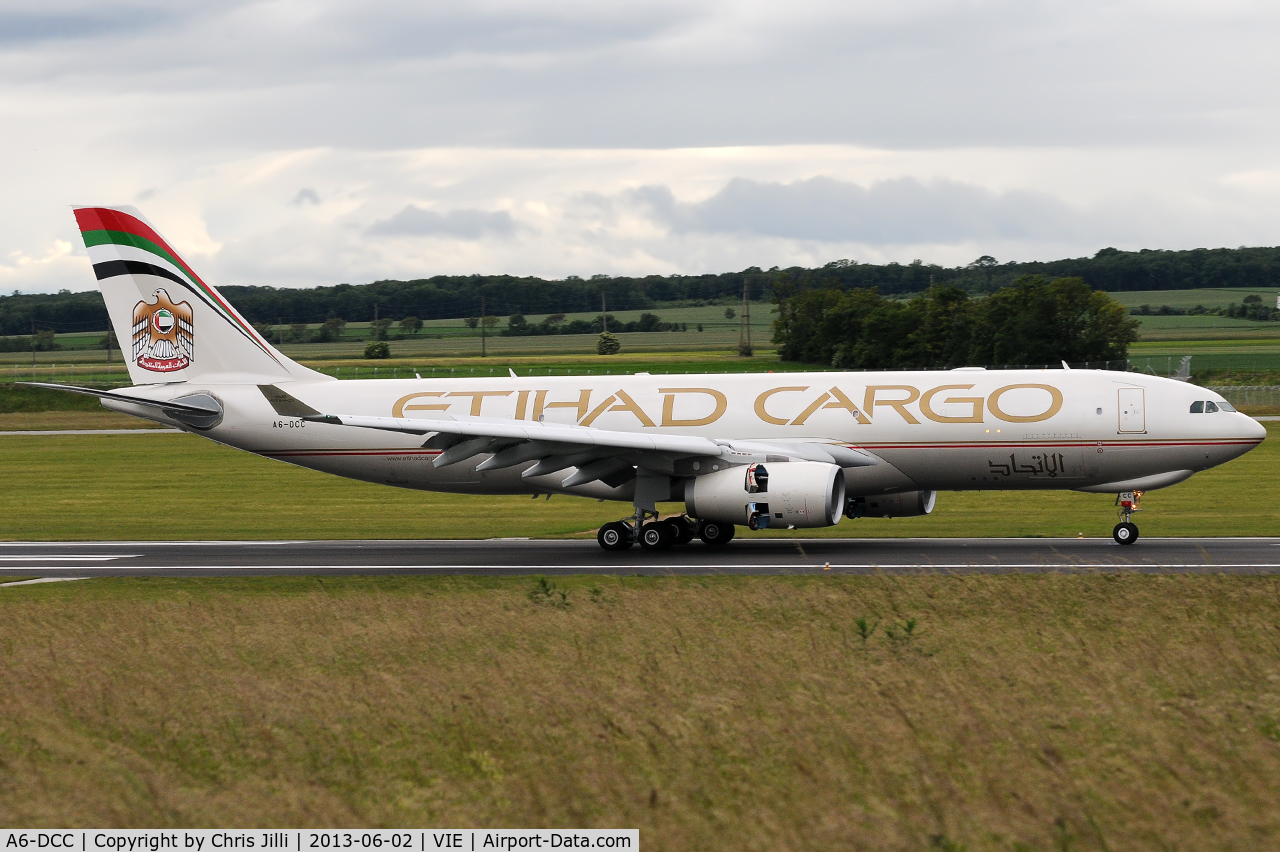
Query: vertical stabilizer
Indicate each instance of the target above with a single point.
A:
(172, 326)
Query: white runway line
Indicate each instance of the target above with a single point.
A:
(158, 543)
(735, 566)
(43, 580)
(68, 558)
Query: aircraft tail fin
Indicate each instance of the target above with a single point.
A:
(172, 326)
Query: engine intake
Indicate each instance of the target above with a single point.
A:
(782, 494)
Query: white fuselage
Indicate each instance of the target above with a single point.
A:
(933, 430)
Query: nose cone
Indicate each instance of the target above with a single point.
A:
(1252, 428)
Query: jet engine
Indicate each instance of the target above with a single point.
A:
(909, 504)
(782, 494)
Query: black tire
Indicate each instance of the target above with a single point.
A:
(715, 533)
(614, 537)
(1125, 533)
(656, 536)
(683, 530)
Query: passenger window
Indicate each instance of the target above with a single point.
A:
(1197, 407)
(1226, 406)
(1210, 408)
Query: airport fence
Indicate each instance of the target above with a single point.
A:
(1250, 396)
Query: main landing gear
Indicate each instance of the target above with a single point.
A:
(660, 534)
(1129, 502)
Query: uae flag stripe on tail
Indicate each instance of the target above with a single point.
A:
(102, 226)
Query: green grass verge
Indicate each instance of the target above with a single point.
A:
(1006, 713)
(117, 487)
(19, 399)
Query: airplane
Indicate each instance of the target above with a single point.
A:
(793, 450)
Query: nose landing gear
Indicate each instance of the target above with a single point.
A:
(1129, 502)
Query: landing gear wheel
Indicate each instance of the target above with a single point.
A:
(656, 536)
(683, 530)
(615, 536)
(1125, 533)
(715, 533)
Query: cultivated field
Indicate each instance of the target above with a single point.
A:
(1206, 328)
(877, 713)
(1210, 298)
(1234, 361)
(118, 486)
(451, 338)
(66, 370)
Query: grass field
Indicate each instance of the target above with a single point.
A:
(1206, 328)
(1253, 361)
(877, 713)
(1209, 297)
(90, 487)
(559, 363)
(450, 338)
(1220, 345)
(45, 421)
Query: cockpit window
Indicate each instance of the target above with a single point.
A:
(1226, 406)
(1197, 407)
(1210, 407)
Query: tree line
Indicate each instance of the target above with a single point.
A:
(461, 296)
(519, 326)
(1035, 320)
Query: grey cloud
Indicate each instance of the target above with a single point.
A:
(25, 27)
(464, 224)
(306, 196)
(897, 211)
(670, 75)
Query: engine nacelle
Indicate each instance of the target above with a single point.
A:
(906, 505)
(783, 494)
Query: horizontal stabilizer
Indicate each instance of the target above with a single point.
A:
(186, 407)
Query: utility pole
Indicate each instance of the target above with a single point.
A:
(604, 317)
(33, 349)
(280, 331)
(746, 306)
(483, 352)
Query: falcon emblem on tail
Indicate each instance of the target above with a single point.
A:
(163, 334)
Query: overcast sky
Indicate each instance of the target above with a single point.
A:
(307, 143)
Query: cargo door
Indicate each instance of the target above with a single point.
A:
(1133, 410)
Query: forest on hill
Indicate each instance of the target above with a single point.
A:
(461, 296)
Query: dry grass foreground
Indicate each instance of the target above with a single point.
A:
(1106, 712)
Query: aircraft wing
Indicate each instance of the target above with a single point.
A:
(518, 431)
(603, 454)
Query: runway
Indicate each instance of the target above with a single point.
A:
(499, 557)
